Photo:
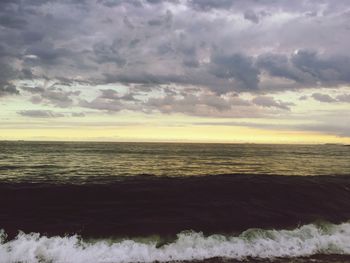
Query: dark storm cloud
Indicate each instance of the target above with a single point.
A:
(208, 4)
(111, 94)
(278, 65)
(113, 3)
(78, 114)
(112, 101)
(343, 98)
(217, 47)
(251, 16)
(103, 105)
(323, 97)
(174, 101)
(268, 101)
(236, 67)
(188, 103)
(10, 21)
(203, 104)
(6, 73)
(7, 89)
(136, 3)
(53, 95)
(47, 53)
(108, 54)
(162, 1)
(329, 70)
(308, 68)
(40, 114)
(304, 6)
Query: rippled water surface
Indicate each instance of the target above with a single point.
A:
(79, 162)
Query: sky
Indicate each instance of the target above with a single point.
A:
(240, 71)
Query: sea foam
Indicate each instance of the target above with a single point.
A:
(306, 240)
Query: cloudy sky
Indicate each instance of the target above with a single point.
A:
(175, 70)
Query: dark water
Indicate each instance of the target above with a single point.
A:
(140, 202)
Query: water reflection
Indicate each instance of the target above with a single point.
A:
(79, 162)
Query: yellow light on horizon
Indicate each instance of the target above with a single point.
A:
(190, 133)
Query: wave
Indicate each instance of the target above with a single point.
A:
(144, 206)
(303, 241)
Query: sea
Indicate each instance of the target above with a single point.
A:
(85, 202)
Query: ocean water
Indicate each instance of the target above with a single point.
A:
(154, 202)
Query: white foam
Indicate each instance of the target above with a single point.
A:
(304, 241)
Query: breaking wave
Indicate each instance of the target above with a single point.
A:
(303, 241)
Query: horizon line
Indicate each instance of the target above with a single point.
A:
(170, 142)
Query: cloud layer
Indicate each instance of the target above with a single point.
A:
(173, 56)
